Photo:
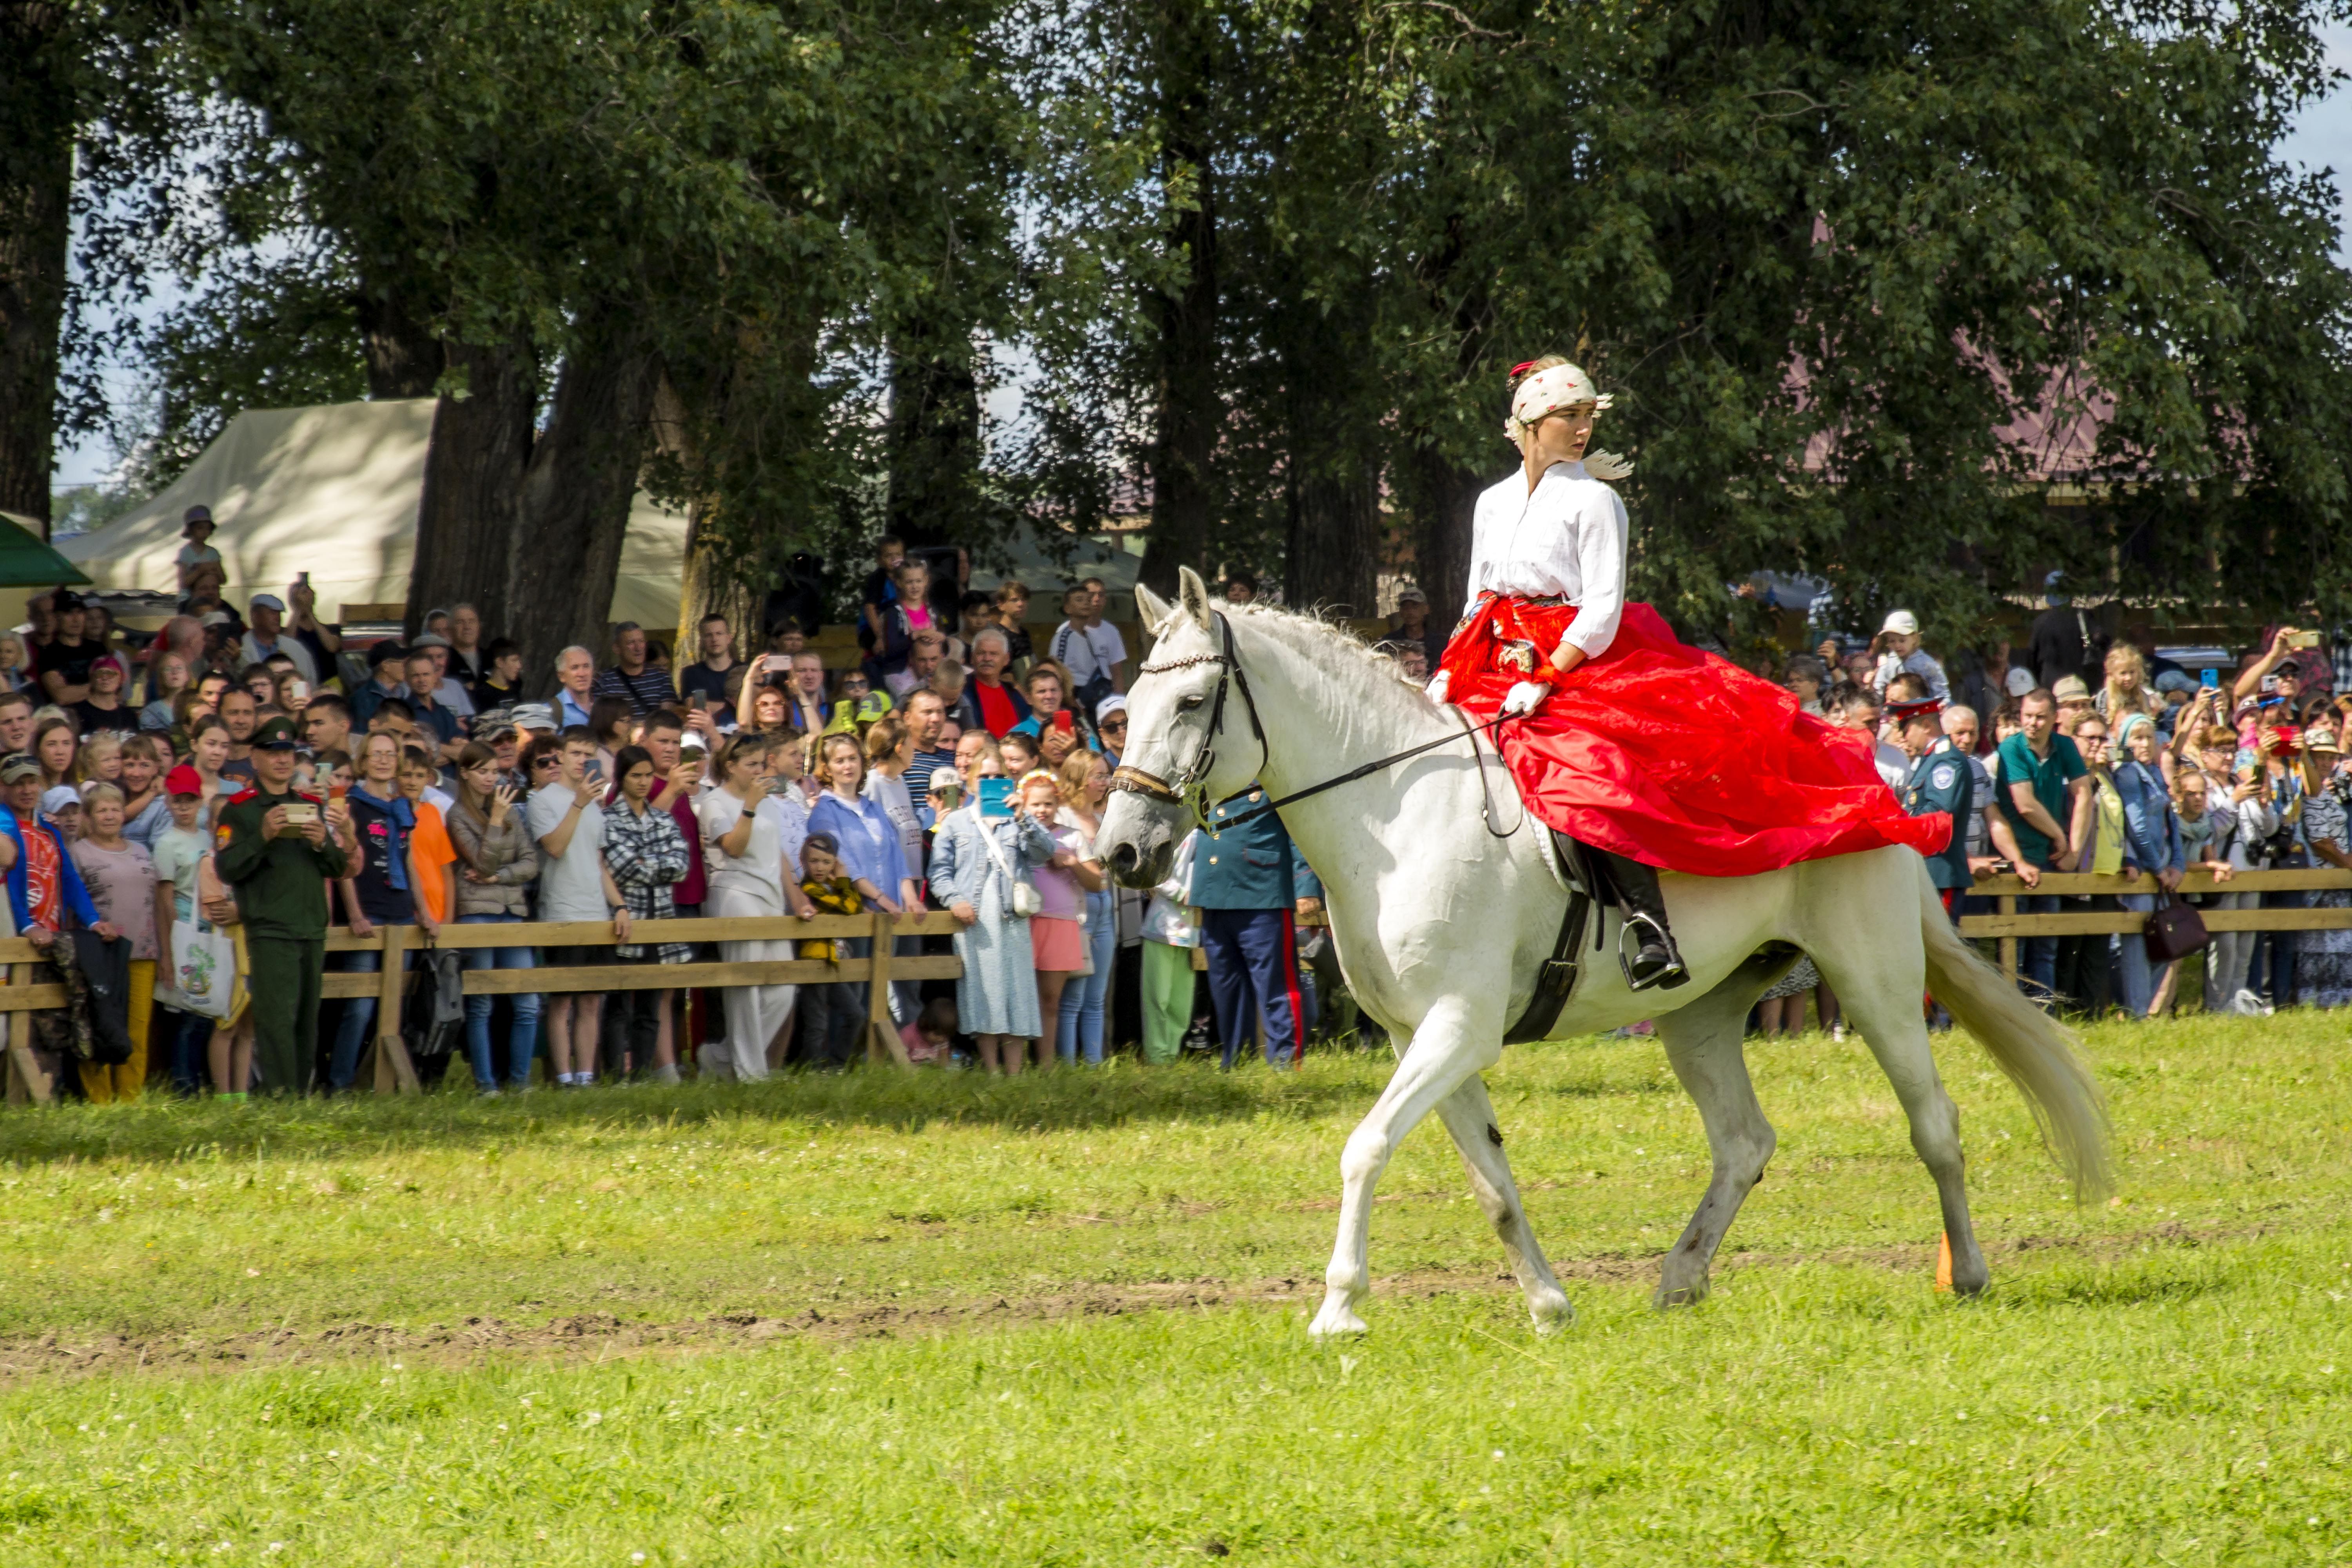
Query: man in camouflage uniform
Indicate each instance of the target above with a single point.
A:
(278, 849)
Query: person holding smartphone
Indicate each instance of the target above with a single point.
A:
(496, 863)
(980, 852)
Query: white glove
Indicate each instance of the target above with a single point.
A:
(1435, 689)
(1525, 697)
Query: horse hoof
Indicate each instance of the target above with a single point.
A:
(1689, 1293)
(1336, 1321)
(1551, 1316)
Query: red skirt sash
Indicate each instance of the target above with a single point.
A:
(1671, 756)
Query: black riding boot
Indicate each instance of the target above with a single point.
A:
(1655, 960)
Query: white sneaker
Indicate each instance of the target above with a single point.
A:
(2249, 1005)
(1837, 1032)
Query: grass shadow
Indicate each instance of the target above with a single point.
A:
(161, 1129)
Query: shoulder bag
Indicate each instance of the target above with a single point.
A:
(2174, 930)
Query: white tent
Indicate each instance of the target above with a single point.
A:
(333, 490)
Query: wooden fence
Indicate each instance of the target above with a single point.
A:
(2008, 925)
(387, 1066)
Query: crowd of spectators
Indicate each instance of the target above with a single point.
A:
(256, 775)
(2089, 753)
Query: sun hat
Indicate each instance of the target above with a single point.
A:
(2071, 689)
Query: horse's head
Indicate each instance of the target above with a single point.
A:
(1190, 734)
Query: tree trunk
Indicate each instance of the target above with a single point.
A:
(35, 232)
(473, 465)
(1446, 500)
(404, 357)
(1331, 562)
(1183, 454)
(574, 509)
(934, 440)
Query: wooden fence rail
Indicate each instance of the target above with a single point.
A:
(2008, 925)
(387, 1065)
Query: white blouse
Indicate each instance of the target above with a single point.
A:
(1565, 539)
(758, 873)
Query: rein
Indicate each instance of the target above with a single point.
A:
(1187, 788)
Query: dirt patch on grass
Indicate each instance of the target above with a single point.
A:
(599, 1336)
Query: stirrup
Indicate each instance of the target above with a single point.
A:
(1671, 975)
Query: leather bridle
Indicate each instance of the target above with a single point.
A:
(1189, 789)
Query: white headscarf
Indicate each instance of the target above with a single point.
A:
(1548, 392)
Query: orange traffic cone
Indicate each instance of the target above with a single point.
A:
(1943, 1263)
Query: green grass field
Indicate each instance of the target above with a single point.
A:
(1062, 1320)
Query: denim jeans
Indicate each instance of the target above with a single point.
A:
(524, 1040)
(2039, 959)
(2139, 974)
(1080, 1029)
(359, 1012)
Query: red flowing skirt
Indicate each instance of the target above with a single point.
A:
(1673, 757)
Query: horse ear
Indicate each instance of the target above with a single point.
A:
(1192, 594)
(1151, 608)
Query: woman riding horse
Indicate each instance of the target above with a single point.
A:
(1658, 755)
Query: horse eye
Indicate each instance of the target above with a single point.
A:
(1188, 704)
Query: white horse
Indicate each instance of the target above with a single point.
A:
(1441, 928)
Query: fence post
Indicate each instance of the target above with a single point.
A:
(882, 1041)
(26, 1078)
(2007, 904)
(393, 1071)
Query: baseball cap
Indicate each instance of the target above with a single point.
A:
(1113, 703)
(2018, 682)
(17, 765)
(57, 798)
(2071, 689)
(534, 716)
(218, 619)
(1407, 594)
(184, 780)
(428, 639)
(107, 661)
(67, 599)
(267, 602)
(277, 735)
(1902, 623)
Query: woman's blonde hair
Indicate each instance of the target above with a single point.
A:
(98, 790)
(1071, 777)
(2124, 659)
(95, 748)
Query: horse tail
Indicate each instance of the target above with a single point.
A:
(2038, 1054)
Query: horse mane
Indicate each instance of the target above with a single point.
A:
(1340, 653)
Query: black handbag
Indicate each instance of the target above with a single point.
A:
(2174, 930)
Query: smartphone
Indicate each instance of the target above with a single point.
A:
(338, 789)
(301, 692)
(995, 800)
(1062, 721)
(2302, 639)
(695, 702)
(2211, 679)
(2004, 867)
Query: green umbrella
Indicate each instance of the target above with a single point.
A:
(27, 562)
